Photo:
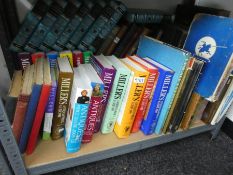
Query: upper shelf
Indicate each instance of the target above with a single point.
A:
(51, 155)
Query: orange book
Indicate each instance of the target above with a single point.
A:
(148, 92)
(132, 98)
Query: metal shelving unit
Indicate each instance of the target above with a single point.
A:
(4, 167)
(51, 155)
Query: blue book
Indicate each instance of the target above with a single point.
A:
(78, 109)
(161, 90)
(52, 57)
(32, 105)
(210, 38)
(171, 57)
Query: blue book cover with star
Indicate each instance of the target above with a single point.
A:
(210, 38)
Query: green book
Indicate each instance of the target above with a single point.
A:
(116, 97)
(86, 56)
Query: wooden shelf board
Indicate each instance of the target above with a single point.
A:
(53, 152)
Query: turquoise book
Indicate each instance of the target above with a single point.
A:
(77, 111)
(174, 58)
(117, 94)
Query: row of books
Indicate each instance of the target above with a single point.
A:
(73, 24)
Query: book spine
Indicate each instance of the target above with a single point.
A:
(24, 59)
(124, 123)
(147, 95)
(32, 140)
(91, 119)
(67, 54)
(65, 82)
(49, 111)
(115, 100)
(52, 57)
(29, 117)
(148, 18)
(151, 119)
(20, 111)
(37, 55)
(77, 58)
(74, 138)
(86, 57)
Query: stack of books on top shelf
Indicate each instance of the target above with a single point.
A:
(158, 90)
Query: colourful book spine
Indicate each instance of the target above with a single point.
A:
(67, 54)
(24, 59)
(37, 55)
(147, 94)
(77, 58)
(115, 100)
(125, 119)
(86, 56)
(154, 108)
(52, 57)
(107, 75)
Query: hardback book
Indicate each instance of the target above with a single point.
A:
(117, 39)
(148, 92)
(24, 59)
(64, 85)
(22, 102)
(52, 57)
(71, 27)
(208, 40)
(43, 28)
(103, 25)
(195, 67)
(118, 91)
(148, 16)
(132, 99)
(212, 107)
(40, 110)
(32, 105)
(29, 24)
(86, 56)
(67, 54)
(190, 110)
(13, 94)
(57, 28)
(174, 58)
(77, 112)
(77, 58)
(107, 74)
(94, 9)
(199, 111)
(96, 97)
(159, 95)
(37, 55)
(49, 111)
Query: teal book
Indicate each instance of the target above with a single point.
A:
(171, 57)
(117, 94)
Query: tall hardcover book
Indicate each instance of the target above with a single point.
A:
(67, 54)
(147, 94)
(13, 94)
(96, 97)
(210, 39)
(49, 111)
(132, 99)
(168, 56)
(160, 92)
(119, 88)
(24, 59)
(22, 102)
(43, 99)
(78, 109)
(107, 74)
(32, 105)
(64, 85)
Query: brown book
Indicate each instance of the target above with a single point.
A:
(65, 81)
(212, 107)
(193, 103)
(22, 103)
(117, 39)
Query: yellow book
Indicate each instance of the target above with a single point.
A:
(132, 98)
(67, 54)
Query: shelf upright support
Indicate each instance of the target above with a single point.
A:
(4, 167)
(217, 128)
(9, 144)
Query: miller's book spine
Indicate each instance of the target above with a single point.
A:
(65, 81)
(115, 100)
(67, 54)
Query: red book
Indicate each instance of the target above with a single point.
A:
(77, 58)
(148, 92)
(44, 96)
(36, 55)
